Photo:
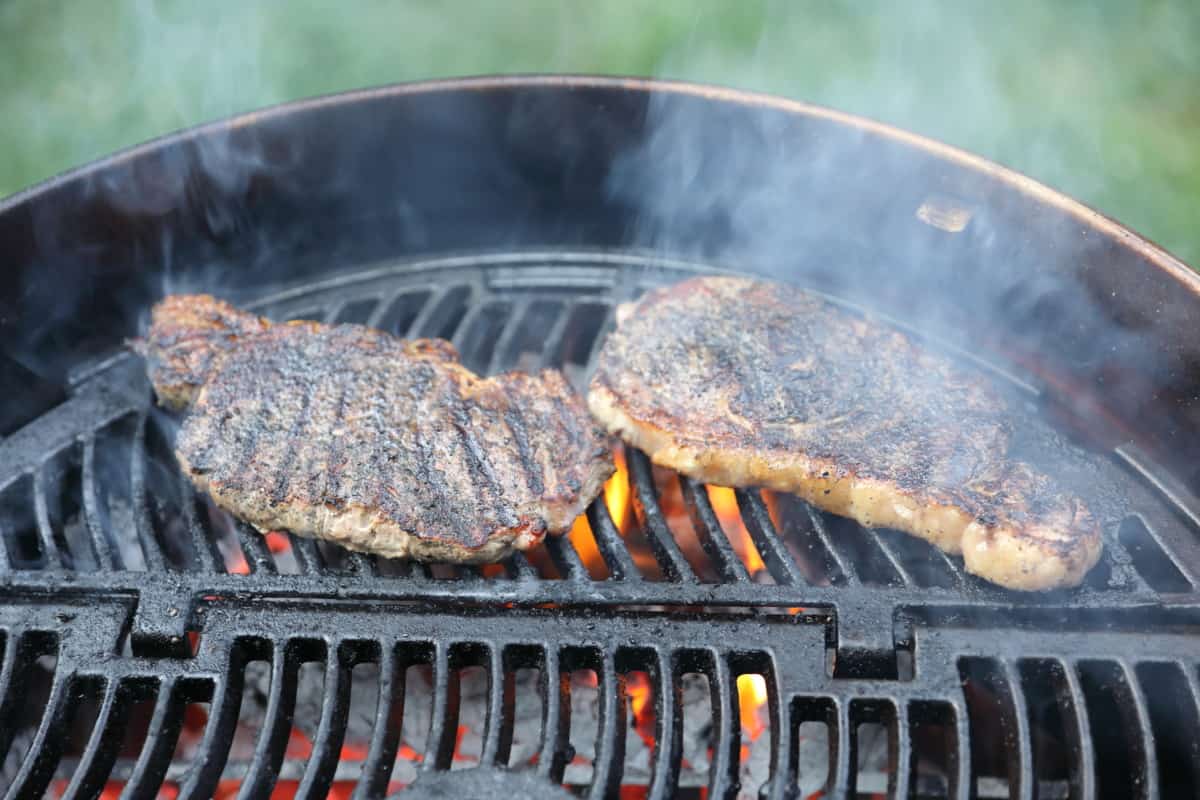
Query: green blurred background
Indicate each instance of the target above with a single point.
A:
(1099, 99)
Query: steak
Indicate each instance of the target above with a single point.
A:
(378, 444)
(743, 383)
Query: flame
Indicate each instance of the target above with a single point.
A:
(725, 506)
(616, 492)
(752, 696)
(585, 544)
(406, 753)
(641, 695)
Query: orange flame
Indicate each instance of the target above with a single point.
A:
(585, 544)
(752, 696)
(725, 506)
(616, 492)
(637, 685)
(277, 542)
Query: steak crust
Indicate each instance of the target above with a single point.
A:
(742, 383)
(378, 444)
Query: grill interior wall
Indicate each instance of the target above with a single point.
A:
(841, 621)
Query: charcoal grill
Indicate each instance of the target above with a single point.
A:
(511, 216)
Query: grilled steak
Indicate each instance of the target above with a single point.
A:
(748, 383)
(378, 444)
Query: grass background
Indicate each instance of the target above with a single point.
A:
(1100, 99)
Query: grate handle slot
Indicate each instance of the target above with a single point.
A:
(727, 733)
(277, 724)
(385, 733)
(102, 746)
(710, 533)
(35, 774)
(668, 726)
(612, 547)
(608, 766)
(201, 778)
(645, 504)
(161, 737)
(335, 711)
(556, 718)
(767, 540)
(439, 752)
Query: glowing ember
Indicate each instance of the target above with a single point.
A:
(277, 542)
(752, 696)
(725, 506)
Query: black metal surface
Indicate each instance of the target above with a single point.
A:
(110, 561)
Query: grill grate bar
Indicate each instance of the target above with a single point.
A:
(666, 550)
(385, 732)
(203, 545)
(335, 710)
(554, 337)
(767, 540)
(844, 565)
(101, 749)
(258, 557)
(889, 554)
(1150, 787)
(727, 735)
(777, 785)
(42, 514)
(1022, 780)
(5, 566)
(556, 717)
(439, 751)
(565, 557)
(11, 668)
(612, 547)
(520, 568)
(668, 726)
(201, 778)
(360, 563)
(106, 556)
(151, 552)
(709, 532)
(512, 326)
(608, 765)
(46, 748)
(844, 746)
(277, 724)
(161, 736)
(958, 764)
(308, 557)
(1078, 732)
(901, 755)
(497, 742)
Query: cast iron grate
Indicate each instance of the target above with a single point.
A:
(148, 598)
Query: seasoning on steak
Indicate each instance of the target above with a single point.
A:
(375, 443)
(748, 383)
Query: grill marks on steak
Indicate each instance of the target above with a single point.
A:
(748, 383)
(378, 444)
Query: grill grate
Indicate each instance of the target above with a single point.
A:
(149, 600)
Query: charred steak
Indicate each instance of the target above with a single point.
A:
(747, 383)
(375, 443)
